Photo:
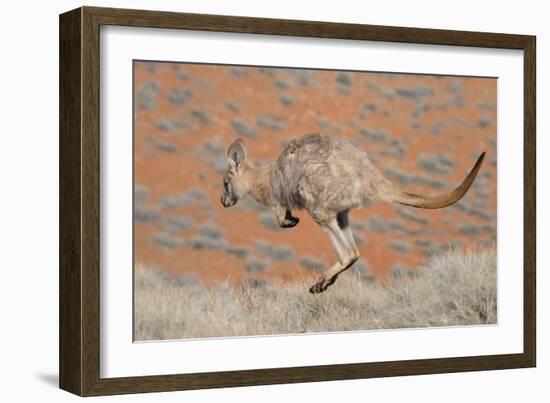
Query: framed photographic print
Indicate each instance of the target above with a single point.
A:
(250, 201)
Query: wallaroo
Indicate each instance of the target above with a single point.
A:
(327, 177)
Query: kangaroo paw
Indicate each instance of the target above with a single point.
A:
(289, 222)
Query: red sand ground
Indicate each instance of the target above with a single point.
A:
(453, 117)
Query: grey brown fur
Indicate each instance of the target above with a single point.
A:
(327, 177)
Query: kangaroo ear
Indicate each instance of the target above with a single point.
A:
(236, 154)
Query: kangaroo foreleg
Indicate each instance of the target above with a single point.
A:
(285, 217)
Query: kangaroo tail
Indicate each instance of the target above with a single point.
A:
(414, 200)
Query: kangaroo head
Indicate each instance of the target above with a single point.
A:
(235, 185)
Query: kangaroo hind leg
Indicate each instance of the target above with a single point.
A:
(343, 223)
(341, 237)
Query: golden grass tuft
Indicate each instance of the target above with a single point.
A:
(452, 289)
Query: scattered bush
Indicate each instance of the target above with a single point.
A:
(275, 252)
(435, 163)
(327, 126)
(144, 215)
(238, 72)
(146, 95)
(180, 96)
(302, 76)
(415, 93)
(311, 263)
(239, 251)
(382, 225)
(202, 116)
(167, 240)
(375, 136)
(254, 265)
(404, 178)
(233, 106)
(269, 221)
(141, 193)
(162, 145)
(211, 231)
(411, 215)
(205, 242)
(400, 245)
(243, 128)
(286, 100)
(172, 124)
(179, 223)
(281, 84)
(214, 154)
(395, 150)
(185, 199)
(271, 122)
(343, 78)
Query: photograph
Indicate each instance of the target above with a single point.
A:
(250, 200)
(282, 200)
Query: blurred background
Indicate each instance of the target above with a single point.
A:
(423, 132)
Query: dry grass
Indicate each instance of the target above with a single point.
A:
(455, 288)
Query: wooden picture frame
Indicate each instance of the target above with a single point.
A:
(79, 347)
